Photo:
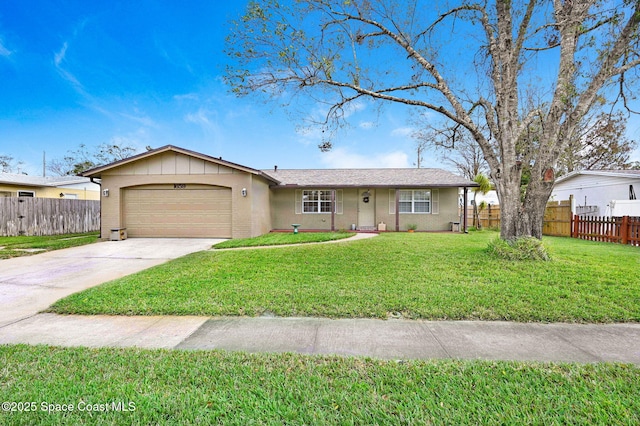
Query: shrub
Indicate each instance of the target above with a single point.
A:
(526, 248)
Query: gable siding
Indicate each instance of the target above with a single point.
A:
(170, 163)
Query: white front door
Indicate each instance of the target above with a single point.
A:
(366, 209)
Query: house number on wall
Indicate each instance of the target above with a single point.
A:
(179, 185)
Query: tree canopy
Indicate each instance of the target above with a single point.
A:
(599, 143)
(8, 164)
(82, 158)
(517, 76)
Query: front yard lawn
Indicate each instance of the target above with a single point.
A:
(282, 238)
(135, 386)
(420, 275)
(25, 246)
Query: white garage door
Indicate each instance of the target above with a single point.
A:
(187, 213)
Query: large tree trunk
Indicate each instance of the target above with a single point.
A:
(523, 218)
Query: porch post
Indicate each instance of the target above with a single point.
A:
(464, 210)
(397, 209)
(333, 210)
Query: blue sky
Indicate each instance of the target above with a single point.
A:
(148, 73)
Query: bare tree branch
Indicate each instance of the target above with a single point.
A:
(339, 52)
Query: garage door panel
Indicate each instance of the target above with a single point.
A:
(178, 213)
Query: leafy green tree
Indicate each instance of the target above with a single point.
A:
(474, 64)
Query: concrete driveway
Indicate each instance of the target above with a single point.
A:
(32, 283)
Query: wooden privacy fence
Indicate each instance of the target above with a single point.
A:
(47, 216)
(622, 230)
(557, 218)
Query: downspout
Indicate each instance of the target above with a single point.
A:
(92, 180)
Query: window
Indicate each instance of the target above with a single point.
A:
(26, 194)
(415, 201)
(316, 201)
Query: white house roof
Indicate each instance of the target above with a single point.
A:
(632, 174)
(35, 181)
(334, 178)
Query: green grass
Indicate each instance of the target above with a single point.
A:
(281, 238)
(15, 246)
(429, 276)
(198, 387)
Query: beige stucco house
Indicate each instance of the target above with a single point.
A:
(66, 187)
(174, 192)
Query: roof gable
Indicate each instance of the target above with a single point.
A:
(98, 171)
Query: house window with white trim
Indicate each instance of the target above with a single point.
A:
(316, 201)
(415, 201)
(30, 194)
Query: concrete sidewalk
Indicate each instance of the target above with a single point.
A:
(391, 339)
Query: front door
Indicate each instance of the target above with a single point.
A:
(366, 210)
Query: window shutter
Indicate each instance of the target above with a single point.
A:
(298, 201)
(392, 201)
(339, 204)
(435, 201)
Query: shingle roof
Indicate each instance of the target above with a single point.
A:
(53, 181)
(334, 178)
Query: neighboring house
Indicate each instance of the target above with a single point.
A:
(490, 197)
(599, 192)
(174, 192)
(70, 187)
